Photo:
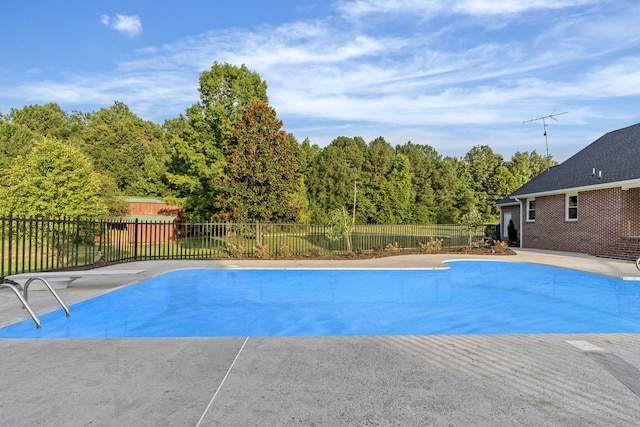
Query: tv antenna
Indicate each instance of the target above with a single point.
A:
(544, 124)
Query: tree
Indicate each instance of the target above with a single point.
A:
(47, 120)
(195, 163)
(482, 163)
(260, 172)
(15, 140)
(332, 175)
(400, 178)
(379, 157)
(196, 140)
(127, 149)
(54, 180)
(472, 223)
(454, 195)
(225, 91)
(526, 166)
(300, 199)
(387, 193)
(424, 164)
(341, 227)
(501, 184)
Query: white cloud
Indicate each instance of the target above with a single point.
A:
(128, 25)
(436, 83)
(361, 8)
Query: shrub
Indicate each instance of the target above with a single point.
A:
(285, 251)
(261, 251)
(500, 246)
(392, 247)
(233, 250)
(433, 245)
(314, 252)
(512, 233)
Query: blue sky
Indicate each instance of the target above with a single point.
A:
(450, 74)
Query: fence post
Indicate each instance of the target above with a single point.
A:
(2, 251)
(10, 230)
(258, 234)
(75, 243)
(135, 240)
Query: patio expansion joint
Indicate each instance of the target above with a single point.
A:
(204, 414)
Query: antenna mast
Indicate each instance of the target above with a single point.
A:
(544, 123)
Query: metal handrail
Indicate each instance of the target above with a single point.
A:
(48, 285)
(24, 295)
(638, 263)
(15, 288)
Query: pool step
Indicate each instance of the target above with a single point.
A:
(627, 249)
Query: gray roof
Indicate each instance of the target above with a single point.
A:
(615, 157)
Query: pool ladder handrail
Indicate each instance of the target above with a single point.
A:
(638, 263)
(22, 292)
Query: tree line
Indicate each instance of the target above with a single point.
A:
(228, 158)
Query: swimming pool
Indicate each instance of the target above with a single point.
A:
(472, 297)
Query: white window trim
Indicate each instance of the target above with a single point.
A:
(566, 207)
(532, 199)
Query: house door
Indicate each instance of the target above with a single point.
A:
(505, 224)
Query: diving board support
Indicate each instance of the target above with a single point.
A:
(24, 302)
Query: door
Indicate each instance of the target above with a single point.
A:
(505, 224)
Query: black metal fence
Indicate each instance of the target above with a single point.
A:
(45, 244)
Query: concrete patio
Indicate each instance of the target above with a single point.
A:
(463, 380)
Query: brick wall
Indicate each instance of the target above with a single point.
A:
(631, 212)
(599, 223)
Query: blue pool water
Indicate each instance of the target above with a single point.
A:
(472, 297)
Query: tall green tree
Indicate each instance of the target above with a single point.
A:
(482, 163)
(196, 139)
(379, 157)
(424, 163)
(129, 150)
(15, 140)
(55, 180)
(502, 183)
(332, 175)
(300, 199)
(525, 166)
(195, 162)
(400, 178)
(225, 91)
(454, 193)
(260, 178)
(47, 120)
(377, 199)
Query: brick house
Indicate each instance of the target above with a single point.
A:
(590, 203)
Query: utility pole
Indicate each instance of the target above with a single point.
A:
(544, 123)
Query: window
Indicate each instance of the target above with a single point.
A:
(572, 207)
(531, 210)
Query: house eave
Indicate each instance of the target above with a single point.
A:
(625, 185)
(514, 203)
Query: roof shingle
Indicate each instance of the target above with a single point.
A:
(612, 158)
